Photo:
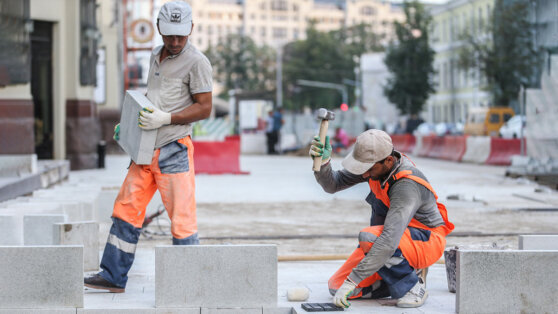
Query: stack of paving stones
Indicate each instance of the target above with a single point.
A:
(509, 281)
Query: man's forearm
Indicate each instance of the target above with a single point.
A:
(199, 110)
(334, 181)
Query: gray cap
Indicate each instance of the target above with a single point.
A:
(371, 146)
(175, 18)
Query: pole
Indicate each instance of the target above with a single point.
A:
(279, 77)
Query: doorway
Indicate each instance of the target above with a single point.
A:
(41, 88)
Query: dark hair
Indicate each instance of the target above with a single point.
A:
(392, 154)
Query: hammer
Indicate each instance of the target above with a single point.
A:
(325, 115)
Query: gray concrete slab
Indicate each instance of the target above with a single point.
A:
(106, 205)
(137, 143)
(179, 311)
(538, 242)
(117, 311)
(231, 310)
(511, 281)
(41, 277)
(11, 231)
(39, 311)
(37, 228)
(237, 276)
(84, 233)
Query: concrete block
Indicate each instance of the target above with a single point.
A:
(41, 277)
(11, 231)
(106, 205)
(39, 311)
(278, 310)
(237, 310)
(117, 311)
(72, 209)
(506, 281)
(242, 276)
(37, 228)
(16, 165)
(196, 310)
(84, 233)
(538, 242)
(137, 143)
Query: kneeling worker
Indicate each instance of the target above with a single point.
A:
(407, 228)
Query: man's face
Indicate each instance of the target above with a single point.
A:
(174, 44)
(380, 169)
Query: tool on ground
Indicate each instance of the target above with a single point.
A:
(150, 218)
(298, 294)
(321, 307)
(326, 116)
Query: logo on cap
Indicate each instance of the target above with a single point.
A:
(175, 17)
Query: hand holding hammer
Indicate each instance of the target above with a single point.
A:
(325, 116)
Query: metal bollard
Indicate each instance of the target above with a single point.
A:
(101, 152)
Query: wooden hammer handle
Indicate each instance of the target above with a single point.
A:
(322, 134)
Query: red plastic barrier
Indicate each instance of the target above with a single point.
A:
(454, 148)
(437, 148)
(218, 157)
(502, 149)
(426, 146)
(403, 142)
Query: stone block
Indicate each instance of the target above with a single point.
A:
(278, 310)
(195, 310)
(509, 281)
(117, 311)
(137, 143)
(538, 242)
(41, 277)
(16, 165)
(84, 233)
(37, 228)
(106, 205)
(11, 230)
(39, 311)
(242, 276)
(237, 310)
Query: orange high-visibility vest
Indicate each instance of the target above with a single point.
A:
(382, 195)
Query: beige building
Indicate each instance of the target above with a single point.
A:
(275, 22)
(457, 90)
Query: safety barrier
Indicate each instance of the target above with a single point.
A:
(403, 142)
(218, 157)
(501, 151)
(427, 142)
(454, 148)
(478, 149)
(437, 147)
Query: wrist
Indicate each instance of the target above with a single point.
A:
(167, 118)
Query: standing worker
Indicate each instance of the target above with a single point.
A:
(407, 228)
(179, 85)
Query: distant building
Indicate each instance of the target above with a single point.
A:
(379, 112)
(456, 90)
(275, 22)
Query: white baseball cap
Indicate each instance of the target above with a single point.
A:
(371, 146)
(175, 18)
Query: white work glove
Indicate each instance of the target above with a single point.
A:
(340, 297)
(152, 118)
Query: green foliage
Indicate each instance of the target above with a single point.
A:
(410, 61)
(508, 58)
(240, 64)
(324, 57)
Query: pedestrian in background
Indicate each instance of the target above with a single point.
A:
(179, 86)
(270, 133)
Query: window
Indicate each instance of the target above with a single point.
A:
(279, 32)
(15, 27)
(494, 118)
(279, 5)
(262, 32)
(507, 116)
(368, 10)
(89, 37)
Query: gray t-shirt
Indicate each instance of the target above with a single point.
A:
(171, 84)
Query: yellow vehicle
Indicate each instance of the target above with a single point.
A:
(487, 121)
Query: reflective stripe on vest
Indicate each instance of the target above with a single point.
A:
(382, 194)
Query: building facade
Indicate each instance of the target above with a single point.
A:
(457, 90)
(276, 22)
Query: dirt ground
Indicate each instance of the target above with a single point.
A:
(331, 227)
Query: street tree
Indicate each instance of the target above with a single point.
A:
(241, 65)
(409, 60)
(503, 51)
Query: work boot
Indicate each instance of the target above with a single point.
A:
(98, 282)
(415, 297)
(421, 273)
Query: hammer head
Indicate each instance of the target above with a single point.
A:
(324, 114)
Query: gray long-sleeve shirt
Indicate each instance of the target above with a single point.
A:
(408, 199)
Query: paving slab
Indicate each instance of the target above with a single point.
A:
(11, 230)
(41, 277)
(538, 242)
(39, 311)
(237, 275)
(137, 143)
(231, 310)
(84, 233)
(511, 281)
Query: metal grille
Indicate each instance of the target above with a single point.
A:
(15, 27)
